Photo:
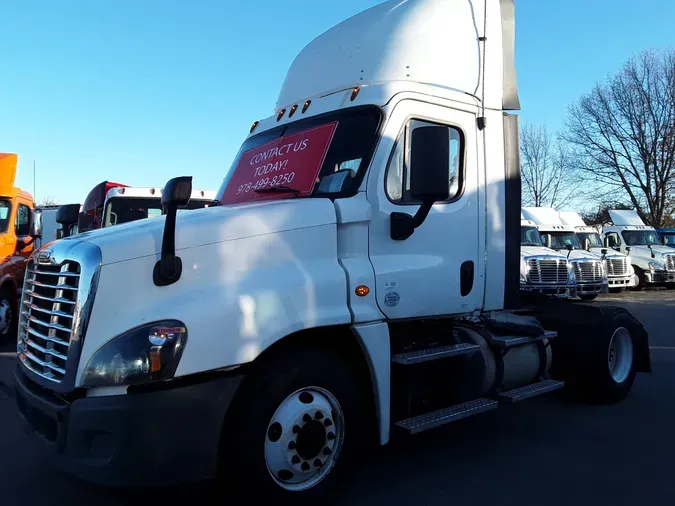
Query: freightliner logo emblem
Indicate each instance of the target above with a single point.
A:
(45, 256)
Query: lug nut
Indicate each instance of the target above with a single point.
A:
(306, 418)
(319, 415)
(327, 451)
(330, 436)
(317, 462)
(328, 422)
(295, 459)
(291, 445)
(296, 429)
(305, 466)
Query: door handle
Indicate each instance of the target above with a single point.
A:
(466, 276)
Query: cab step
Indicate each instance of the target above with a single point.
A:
(436, 353)
(427, 421)
(509, 341)
(522, 393)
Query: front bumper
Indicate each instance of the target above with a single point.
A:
(659, 277)
(592, 288)
(561, 291)
(620, 282)
(166, 436)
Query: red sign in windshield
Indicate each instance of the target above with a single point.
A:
(293, 161)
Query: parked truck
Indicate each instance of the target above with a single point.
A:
(619, 269)
(589, 269)
(667, 236)
(359, 278)
(654, 264)
(110, 203)
(16, 243)
(543, 270)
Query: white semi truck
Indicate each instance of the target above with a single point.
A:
(654, 264)
(359, 278)
(542, 269)
(589, 269)
(619, 268)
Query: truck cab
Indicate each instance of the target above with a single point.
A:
(359, 277)
(588, 267)
(619, 268)
(16, 243)
(110, 203)
(543, 270)
(654, 263)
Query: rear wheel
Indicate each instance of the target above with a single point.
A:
(588, 297)
(8, 327)
(297, 426)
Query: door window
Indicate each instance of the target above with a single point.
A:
(613, 240)
(22, 221)
(398, 174)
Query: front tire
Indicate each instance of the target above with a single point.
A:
(8, 323)
(641, 280)
(295, 428)
(588, 297)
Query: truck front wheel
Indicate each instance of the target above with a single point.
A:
(8, 326)
(294, 429)
(641, 280)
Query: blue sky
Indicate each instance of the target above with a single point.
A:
(142, 91)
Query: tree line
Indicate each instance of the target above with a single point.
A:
(616, 149)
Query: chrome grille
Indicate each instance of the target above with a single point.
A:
(47, 315)
(547, 271)
(670, 262)
(617, 266)
(588, 271)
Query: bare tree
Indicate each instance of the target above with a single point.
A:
(546, 178)
(623, 134)
(48, 201)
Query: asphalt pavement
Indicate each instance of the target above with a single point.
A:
(542, 451)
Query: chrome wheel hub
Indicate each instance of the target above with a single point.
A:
(620, 355)
(304, 438)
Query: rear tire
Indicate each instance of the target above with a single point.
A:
(7, 316)
(607, 364)
(588, 297)
(295, 428)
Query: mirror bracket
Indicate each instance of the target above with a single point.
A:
(403, 225)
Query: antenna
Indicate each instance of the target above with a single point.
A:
(34, 195)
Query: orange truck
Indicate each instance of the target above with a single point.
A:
(17, 232)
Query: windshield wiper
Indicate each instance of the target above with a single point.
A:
(279, 189)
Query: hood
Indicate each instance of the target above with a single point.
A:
(579, 254)
(532, 251)
(644, 252)
(611, 253)
(206, 226)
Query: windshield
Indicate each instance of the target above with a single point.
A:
(5, 211)
(640, 237)
(300, 155)
(594, 240)
(529, 236)
(560, 240)
(120, 210)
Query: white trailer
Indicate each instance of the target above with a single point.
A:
(542, 269)
(654, 264)
(619, 268)
(359, 278)
(589, 269)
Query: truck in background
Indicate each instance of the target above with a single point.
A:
(360, 277)
(16, 243)
(667, 236)
(589, 270)
(48, 224)
(654, 263)
(543, 270)
(619, 269)
(110, 203)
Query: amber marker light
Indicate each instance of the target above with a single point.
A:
(362, 290)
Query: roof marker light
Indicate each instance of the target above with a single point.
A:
(306, 106)
(355, 92)
(253, 126)
(292, 111)
(281, 114)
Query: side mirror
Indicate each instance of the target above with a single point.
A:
(36, 225)
(627, 250)
(587, 245)
(176, 194)
(605, 242)
(547, 241)
(603, 251)
(429, 177)
(569, 249)
(67, 216)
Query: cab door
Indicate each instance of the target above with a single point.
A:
(436, 270)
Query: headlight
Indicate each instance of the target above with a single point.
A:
(631, 271)
(142, 355)
(656, 266)
(524, 270)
